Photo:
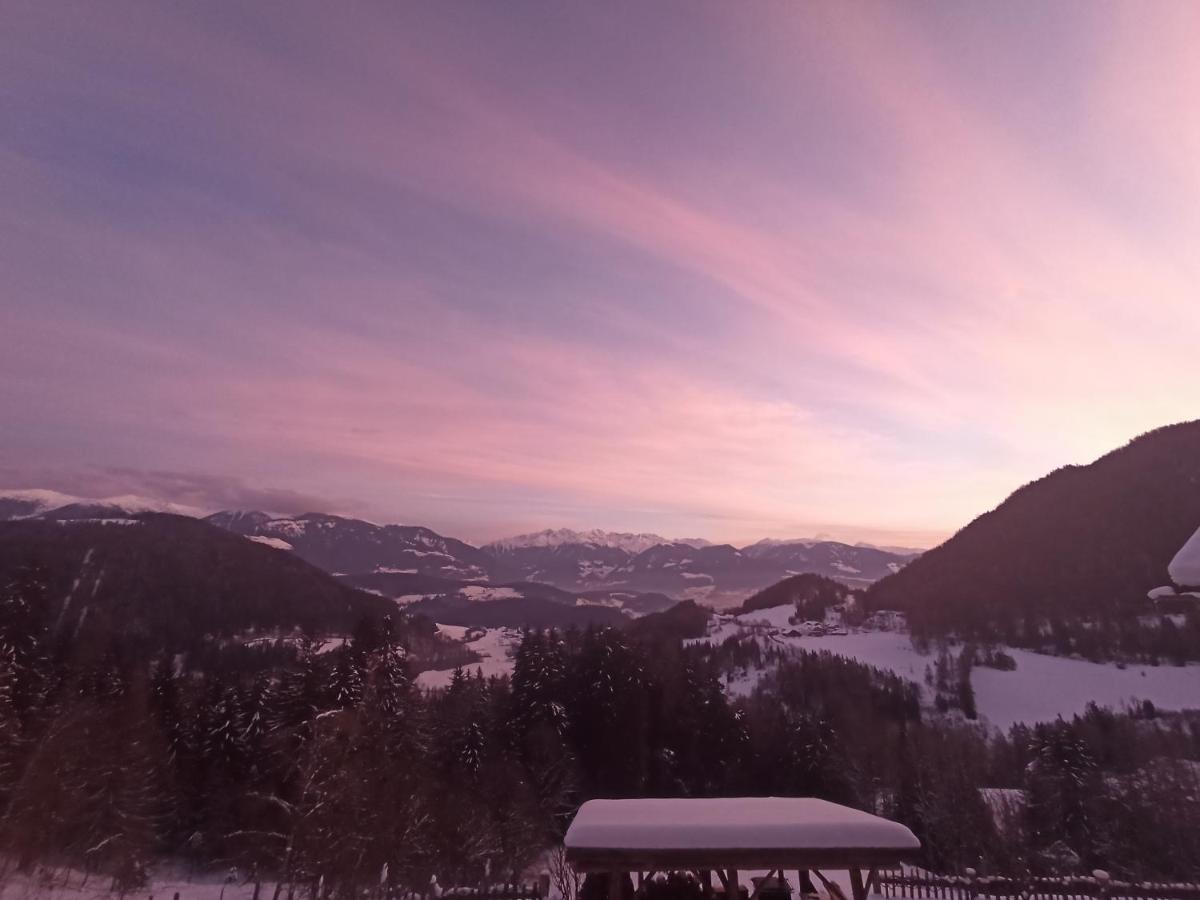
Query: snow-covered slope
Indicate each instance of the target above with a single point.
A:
(342, 545)
(1040, 689)
(495, 647)
(23, 504)
(857, 565)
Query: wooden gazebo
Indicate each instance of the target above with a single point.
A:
(728, 835)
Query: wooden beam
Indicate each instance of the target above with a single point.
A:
(802, 879)
(834, 889)
(856, 884)
(872, 879)
(672, 860)
(758, 887)
(732, 890)
(615, 878)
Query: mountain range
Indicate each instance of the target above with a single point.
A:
(637, 572)
(1065, 563)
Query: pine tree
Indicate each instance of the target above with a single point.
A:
(165, 703)
(11, 736)
(346, 680)
(296, 699)
(965, 691)
(1064, 784)
(24, 641)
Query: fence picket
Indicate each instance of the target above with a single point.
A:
(902, 885)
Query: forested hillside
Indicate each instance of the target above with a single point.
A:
(810, 594)
(169, 581)
(1082, 543)
(299, 765)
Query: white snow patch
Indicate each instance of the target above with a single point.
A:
(405, 599)
(481, 593)
(775, 616)
(277, 543)
(495, 649)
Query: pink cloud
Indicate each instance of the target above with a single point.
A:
(897, 364)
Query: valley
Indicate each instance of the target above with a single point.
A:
(273, 670)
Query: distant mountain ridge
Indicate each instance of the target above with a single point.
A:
(26, 504)
(609, 565)
(620, 540)
(352, 546)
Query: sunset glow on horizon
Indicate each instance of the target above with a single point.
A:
(702, 269)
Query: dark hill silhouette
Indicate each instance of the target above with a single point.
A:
(170, 581)
(684, 620)
(1082, 542)
(811, 592)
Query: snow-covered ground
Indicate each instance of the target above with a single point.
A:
(482, 593)
(61, 884)
(1045, 687)
(163, 885)
(1040, 689)
(495, 648)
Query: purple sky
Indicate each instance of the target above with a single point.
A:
(730, 270)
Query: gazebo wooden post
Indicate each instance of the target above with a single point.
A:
(731, 890)
(706, 881)
(801, 878)
(856, 883)
(615, 880)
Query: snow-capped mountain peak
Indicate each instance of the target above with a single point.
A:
(768, 543)
(556, 537)
(17, 504)
(37, 500)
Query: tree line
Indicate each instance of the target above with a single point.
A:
(292, 763)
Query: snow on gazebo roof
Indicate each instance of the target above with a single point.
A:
(744, 832)
(1184, 569)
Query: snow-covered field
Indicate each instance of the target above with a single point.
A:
(495, 647)
(1040, 689)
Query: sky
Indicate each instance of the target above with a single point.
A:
(704, 269)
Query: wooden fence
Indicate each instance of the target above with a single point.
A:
(905, 884)
(537, 890)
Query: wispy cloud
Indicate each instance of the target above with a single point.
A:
(845, 265)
